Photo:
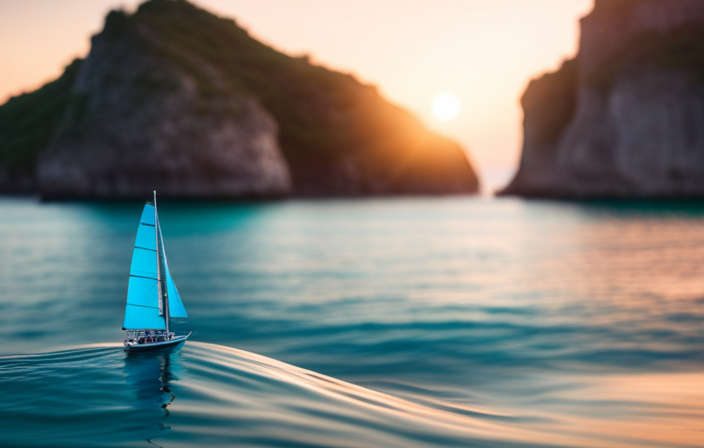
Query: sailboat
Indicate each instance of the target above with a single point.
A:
(152, 297)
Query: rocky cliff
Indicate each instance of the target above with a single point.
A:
(625, 119)
(176, 99)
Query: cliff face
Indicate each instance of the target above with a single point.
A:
(141, 123)
(176, 99)
(625, 119)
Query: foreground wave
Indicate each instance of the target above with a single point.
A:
(210, 395)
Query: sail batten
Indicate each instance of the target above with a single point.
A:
(141, 276)
(148, 215)
(143, 306)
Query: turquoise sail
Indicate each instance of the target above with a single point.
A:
(142, 311)
(176, 308)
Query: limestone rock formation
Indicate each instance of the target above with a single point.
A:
(176, 99)
(140, 124)
(625, 119)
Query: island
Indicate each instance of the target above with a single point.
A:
(174, 98)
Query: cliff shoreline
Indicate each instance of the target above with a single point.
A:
(625, 118)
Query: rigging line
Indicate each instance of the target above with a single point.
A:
(145, 248)
(147, 224)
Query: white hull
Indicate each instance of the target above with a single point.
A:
(156, 345)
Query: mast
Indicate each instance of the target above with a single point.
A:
(163, 295)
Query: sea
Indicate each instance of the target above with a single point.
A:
(417, 322)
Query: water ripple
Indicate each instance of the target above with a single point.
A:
(210, 395)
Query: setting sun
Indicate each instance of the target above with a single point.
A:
(446, 106)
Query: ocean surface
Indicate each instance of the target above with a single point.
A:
(454, 322)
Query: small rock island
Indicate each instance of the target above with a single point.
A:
(174, 98)
(625, 118)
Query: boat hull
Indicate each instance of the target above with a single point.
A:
(157, 345)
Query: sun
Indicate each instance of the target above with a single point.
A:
(446, 106)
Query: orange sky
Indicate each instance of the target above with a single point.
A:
(484, 52)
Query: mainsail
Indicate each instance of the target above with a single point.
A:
(142, 309)
(146, 308)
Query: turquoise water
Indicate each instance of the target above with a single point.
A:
(400, 323)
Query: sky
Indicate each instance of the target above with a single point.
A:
(484, 52)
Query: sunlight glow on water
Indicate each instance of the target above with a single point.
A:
(421, 322)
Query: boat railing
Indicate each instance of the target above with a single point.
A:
(148, 336)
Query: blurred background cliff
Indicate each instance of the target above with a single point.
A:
(183, 99)
(625, 117)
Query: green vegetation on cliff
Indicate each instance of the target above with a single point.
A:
(290, 88)
(28, 122)
(322, 114)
